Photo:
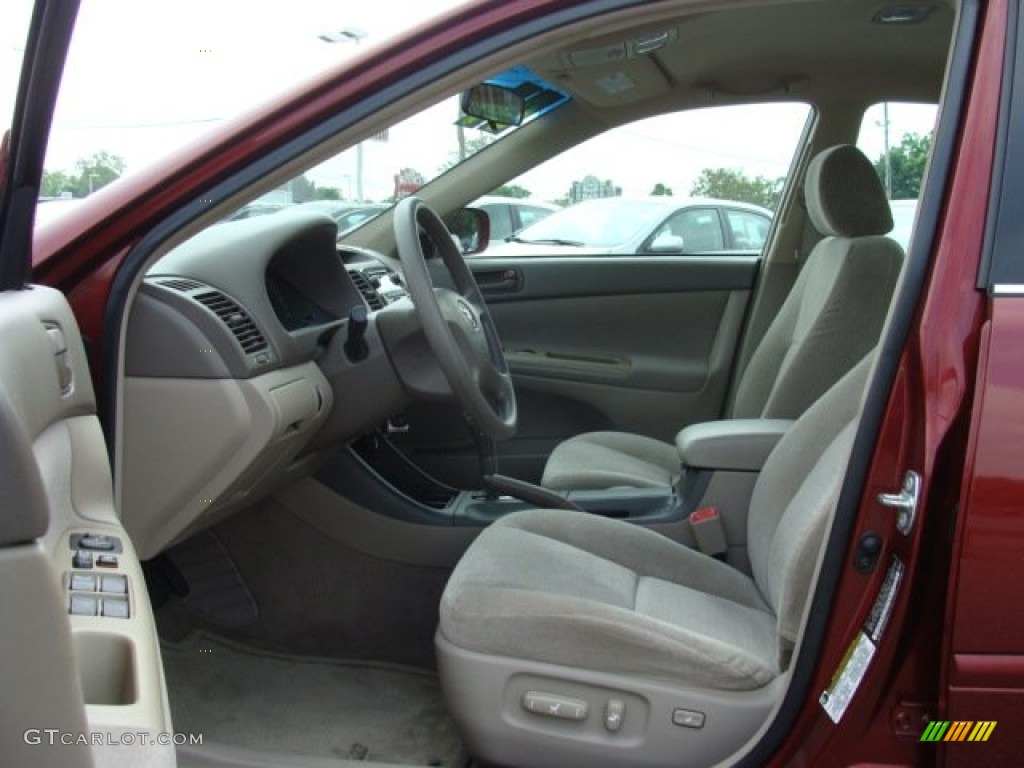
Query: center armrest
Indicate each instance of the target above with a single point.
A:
(733, 444)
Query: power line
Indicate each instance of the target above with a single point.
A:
(124, 126)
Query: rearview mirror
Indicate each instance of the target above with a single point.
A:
(494, 103)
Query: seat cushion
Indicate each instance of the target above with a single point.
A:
(610, 459)
(580, 590)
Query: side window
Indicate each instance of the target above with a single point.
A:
(684, 164)
(897, 138)
(692, 230)
(747, 230)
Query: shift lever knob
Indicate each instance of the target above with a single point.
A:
(355, 344)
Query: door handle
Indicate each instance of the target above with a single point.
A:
(493, 281)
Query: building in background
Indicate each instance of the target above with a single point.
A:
(591, 188)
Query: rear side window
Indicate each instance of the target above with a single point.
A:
(748, 230)
(897, 138)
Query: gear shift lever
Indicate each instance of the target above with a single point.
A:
(488, 457)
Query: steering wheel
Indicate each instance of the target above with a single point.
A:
(457, 325)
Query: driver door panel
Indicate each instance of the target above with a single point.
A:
(79, 639)
(636, 344)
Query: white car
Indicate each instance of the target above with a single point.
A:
(510, 214)
(624, 225)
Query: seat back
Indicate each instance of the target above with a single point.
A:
(793, 499)
(835, 311)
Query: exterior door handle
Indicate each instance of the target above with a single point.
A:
(904, 502)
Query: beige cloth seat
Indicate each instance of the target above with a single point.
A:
(604, 597)
(832, 316)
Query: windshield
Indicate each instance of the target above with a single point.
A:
(362, 182)
(190, 66)
(597, 223)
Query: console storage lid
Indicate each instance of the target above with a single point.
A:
(734, 444)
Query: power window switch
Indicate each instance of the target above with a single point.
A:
(115, 608)
(115, 583)
(106, 561)
(81, 559)
(688, 718)
(82, 582)
(84, 605)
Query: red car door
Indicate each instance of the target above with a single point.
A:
(979, 722)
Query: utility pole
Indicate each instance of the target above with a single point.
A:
(350, 35)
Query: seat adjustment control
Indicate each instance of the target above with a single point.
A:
(688, 718)
(614, 711)
(551, 705)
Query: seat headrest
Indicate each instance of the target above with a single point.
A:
(844, 195)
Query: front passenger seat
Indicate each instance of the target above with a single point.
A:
(571, 639)
(832, 316)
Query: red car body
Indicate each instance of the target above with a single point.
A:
(955, 649)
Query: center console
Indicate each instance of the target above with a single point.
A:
(706, 508)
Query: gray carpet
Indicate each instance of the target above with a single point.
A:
(294, 705)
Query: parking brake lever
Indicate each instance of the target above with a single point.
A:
(528, 492)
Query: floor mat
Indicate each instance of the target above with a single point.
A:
(263, 701)
(216, 589)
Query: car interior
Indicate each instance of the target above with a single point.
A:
(369, 500)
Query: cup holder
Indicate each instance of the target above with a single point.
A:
(106, 668)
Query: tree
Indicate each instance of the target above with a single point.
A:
(906, 166)
(328, 193)
(92, 174)
(660, 190)
(733, 184)
(96, 172)
(302, 189)
(56, 183)
(511, 190)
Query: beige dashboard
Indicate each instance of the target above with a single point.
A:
(236, 358)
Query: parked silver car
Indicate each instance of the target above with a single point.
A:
(624, 225)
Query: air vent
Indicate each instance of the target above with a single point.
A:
(236, 319)
(373, 299)
(181, 284)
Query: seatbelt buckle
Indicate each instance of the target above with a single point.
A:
(709, 531)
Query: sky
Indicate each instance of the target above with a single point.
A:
(144, 76)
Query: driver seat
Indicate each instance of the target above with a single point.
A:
(575, 640)
(832, 316)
